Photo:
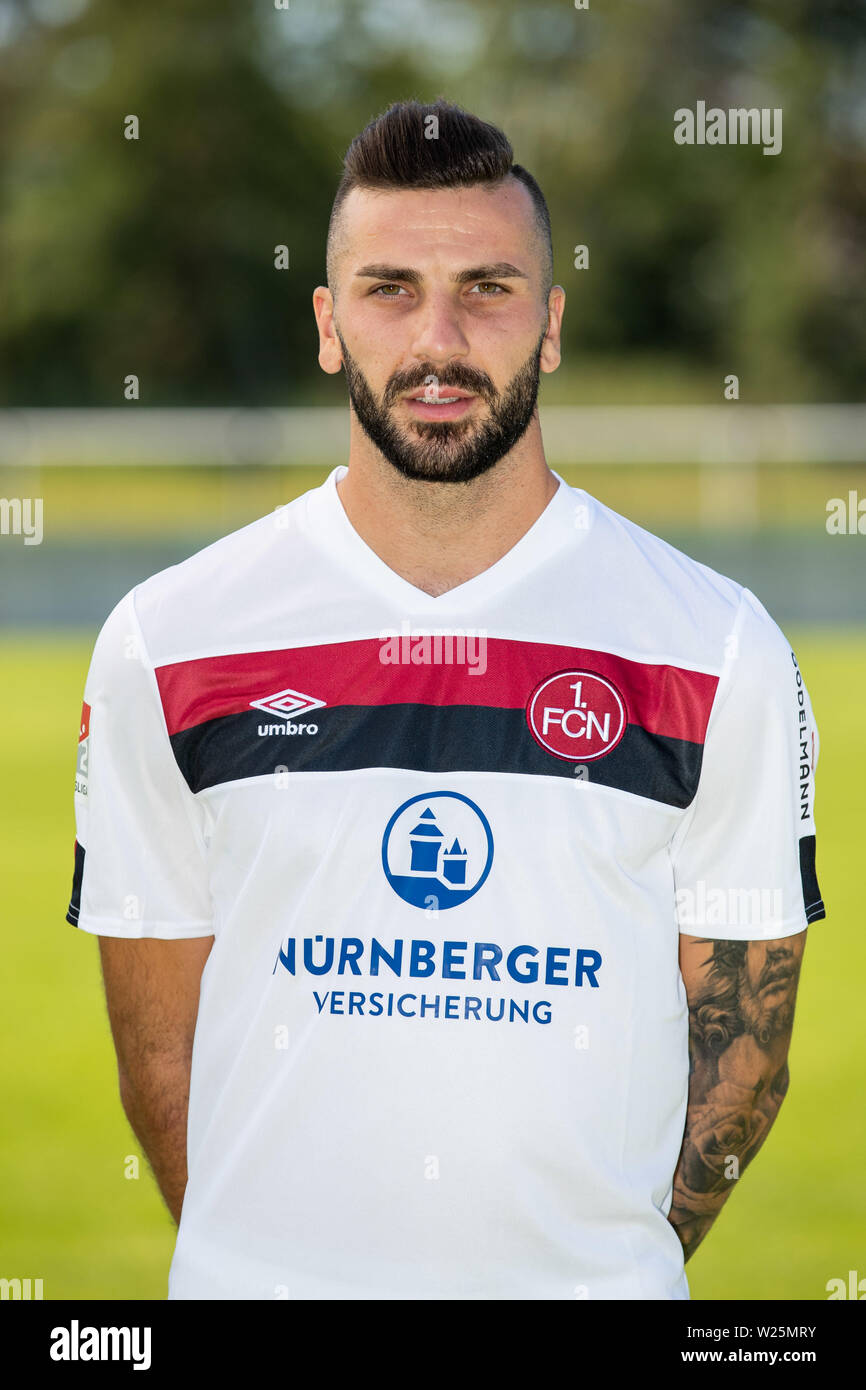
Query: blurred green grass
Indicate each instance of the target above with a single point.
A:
(69, 1216)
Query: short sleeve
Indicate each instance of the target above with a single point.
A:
(744, 856)
(140, 855)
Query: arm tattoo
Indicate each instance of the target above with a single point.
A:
(741, 1012)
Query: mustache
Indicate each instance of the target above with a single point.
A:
(458, 374)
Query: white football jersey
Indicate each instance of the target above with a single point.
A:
(445, 847)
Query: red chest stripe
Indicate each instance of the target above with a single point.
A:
(666, 700)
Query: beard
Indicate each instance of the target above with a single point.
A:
(446, 451)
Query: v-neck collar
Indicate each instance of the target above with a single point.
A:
(556, 526)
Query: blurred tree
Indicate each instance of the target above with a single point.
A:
(156, 255)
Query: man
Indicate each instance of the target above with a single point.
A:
(429, 820)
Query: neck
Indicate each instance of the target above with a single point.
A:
(439, 535)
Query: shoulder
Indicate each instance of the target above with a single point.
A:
(647, 558)
(681, 604)
(208, 597)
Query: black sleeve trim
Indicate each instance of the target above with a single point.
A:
(812, 900)
(74, 910)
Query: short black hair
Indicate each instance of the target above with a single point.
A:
(415, 144)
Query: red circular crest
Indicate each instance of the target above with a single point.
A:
(577, 715)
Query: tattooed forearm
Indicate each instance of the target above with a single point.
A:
(741, 1011)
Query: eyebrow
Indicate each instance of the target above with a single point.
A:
(499, 270)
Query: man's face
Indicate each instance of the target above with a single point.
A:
(766, 989)
(441, 324)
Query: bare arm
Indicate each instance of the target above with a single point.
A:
(152, 990)
(741, 1011)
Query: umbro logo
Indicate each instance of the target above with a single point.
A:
(287, 704)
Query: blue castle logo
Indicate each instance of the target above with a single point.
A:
(426, 841)
(434, 867)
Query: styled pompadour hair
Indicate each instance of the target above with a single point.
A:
(433, 145)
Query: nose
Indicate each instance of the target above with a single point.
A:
(439, 337)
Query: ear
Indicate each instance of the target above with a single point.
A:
(330, 354)
(550, 348)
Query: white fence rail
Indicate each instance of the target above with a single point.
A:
(730, 434)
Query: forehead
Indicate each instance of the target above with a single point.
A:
(481, 224)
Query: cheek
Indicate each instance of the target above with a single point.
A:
(753, 973)
(378, 349)
(503, 344)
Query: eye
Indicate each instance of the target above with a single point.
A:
(488, 289)
(383, 291)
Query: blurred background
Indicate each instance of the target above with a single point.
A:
(158, 258)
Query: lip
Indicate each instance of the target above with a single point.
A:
(777, 979)
(453, 410)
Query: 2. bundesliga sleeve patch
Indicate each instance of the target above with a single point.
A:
(83, 750)
(577, 715)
